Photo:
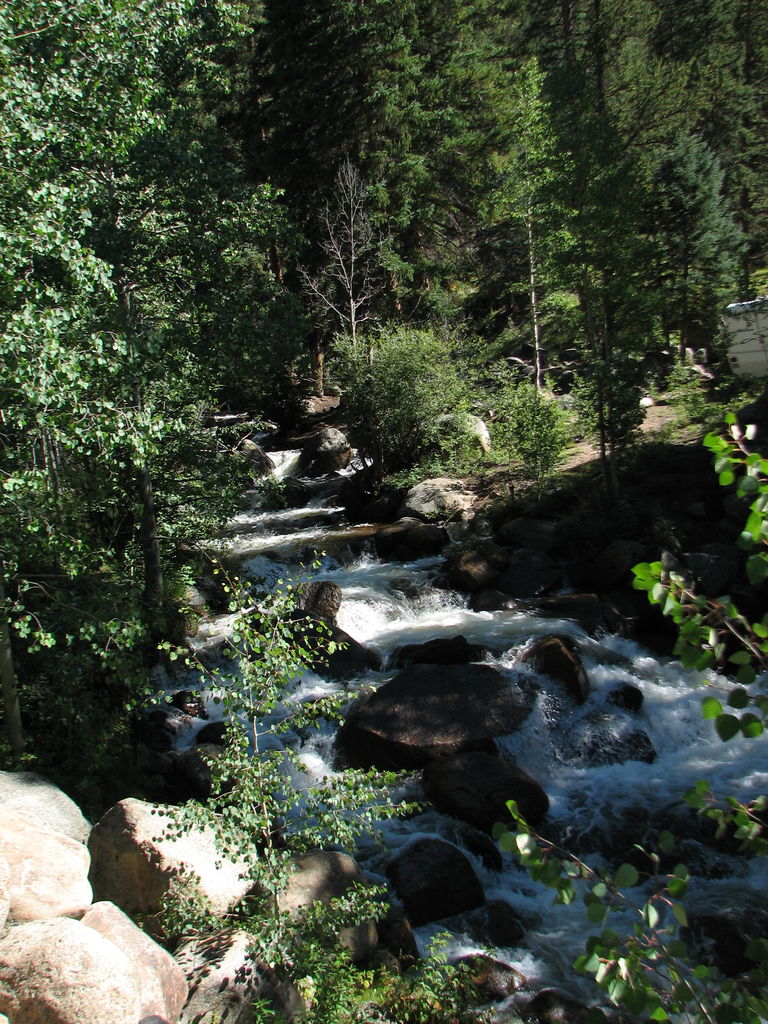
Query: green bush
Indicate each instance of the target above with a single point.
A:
(394, 391)
(531, 427)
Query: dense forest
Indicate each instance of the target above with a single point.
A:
(213, 206)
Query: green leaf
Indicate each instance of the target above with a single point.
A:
(596, 912)
(740, 658)
(727, 726)
(751, 726)
(677, 887)
(626, 876)
(525, 843)
(667, 841)
(711, 707)
(738, 698)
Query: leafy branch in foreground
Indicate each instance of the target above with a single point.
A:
(712, 632)
(268, 804)
(648, 970)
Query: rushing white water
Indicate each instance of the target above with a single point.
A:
(593, 807)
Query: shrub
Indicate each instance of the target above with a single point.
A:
(394, 392)
(531, 427)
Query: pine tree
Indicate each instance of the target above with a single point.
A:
(696, 238)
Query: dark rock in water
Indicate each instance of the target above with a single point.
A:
(722, 939)
(396, 935)
(626, 696)
(527, 533)
(493, 979)
(558, 658)
(181, 774)
(325, 452)
(607, 741)
(586, 609)
(434, 880)
(476, 570)
(613, 566)
(408, 539)
(491, 601)
(261, 462)
(214, 593)
(160, 727)
(528, 574)
(350, 658)
(715, 567)
(551, 1007)
(479, 844)
(383, 508)
(297, 492)
(454, 650)
(496, 924)
(427, 539)
(475, 787)
(190, 703)
(214, 732)
(320, 598)
(503, 924)
(431, 711)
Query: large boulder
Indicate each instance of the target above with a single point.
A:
(137, 855)
(5, 893)
(476, 570)
(320, 598)
(325, 452)
(465, 425)
(326, 875)
(430, 711)
(226, 981)
(558, 658)
(48, 870)
(586, 609)
(261, 463)
(162, 983)
(528, 574)
(613, 566)
(439, 498)
(409, 539)
(443, 650)
(60, 971)
(43, 804)
(475, 787)
(434, 880)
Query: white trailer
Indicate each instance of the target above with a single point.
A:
(746, 325)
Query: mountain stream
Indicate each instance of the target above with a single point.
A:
(597, 809)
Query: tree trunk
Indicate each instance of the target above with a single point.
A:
(152, 596)
(11, 708)
(317, 348)
(534, 300)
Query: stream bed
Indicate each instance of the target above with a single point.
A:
(599, 805)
